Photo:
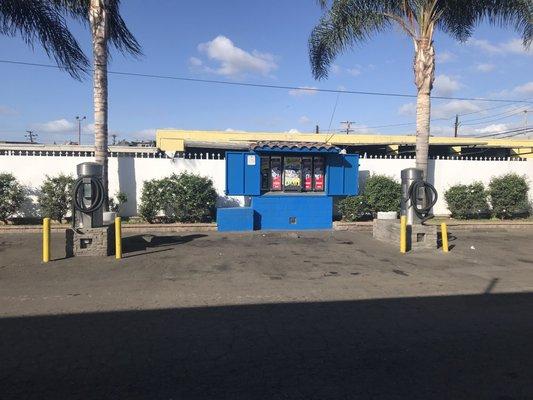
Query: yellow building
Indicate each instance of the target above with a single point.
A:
(170, 140)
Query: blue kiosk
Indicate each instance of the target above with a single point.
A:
(291, 185)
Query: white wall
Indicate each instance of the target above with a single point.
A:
(127, 174)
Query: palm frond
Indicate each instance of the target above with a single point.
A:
(40, 20)
(119, 34)
(460, 17)
(345, 24)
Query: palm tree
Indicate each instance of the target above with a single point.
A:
(107, 26)
(41, 20)
(350, 22)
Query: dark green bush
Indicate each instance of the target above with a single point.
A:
(509, 196)
(151, 198)
(355, 208)
(55, 197)
(382, 193)
(116, 203)
(12, 195)
(467, 201)
(183, 198)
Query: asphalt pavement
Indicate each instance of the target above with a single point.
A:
(322, 315)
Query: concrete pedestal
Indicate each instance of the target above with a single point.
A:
(90, 241)
(418, 236)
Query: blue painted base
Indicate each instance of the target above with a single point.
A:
(235, 219)
(293, 212)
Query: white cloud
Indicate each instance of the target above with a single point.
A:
(485, 67)
(293, 131)
(232, 61)
(516, 46)
(303, 91)
(445, 85)
(57, 126)
(145, 134)
(304, 120)
(89, 128)
(353, 71)
(517, 92)
(4, 110)
(408, 109)
(339, 70)
(525, 89)
(195, 62)
(493, 128)
(445, 56)
(453, 107)
(513, 46)
(442, 130)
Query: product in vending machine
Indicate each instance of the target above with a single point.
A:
(276, 179)
(308, 181)
(307, 167)
(275, 173)
(319, 174)
(319, 181)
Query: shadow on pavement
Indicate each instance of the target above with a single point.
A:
(459, 347)
(135, 243)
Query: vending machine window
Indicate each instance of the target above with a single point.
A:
(265, 173)
(307, 173)
(292, 174)
(275, 174)
(318, 174)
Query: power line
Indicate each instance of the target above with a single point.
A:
(508, 131)
(267, 86)
(492, 115)
(496, 119)
(445, 119)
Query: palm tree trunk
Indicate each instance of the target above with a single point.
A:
(424, 69)
(98, 19)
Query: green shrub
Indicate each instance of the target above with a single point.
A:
(150, 200)
(382, 193)
(183, 198)
(55, 197)
(196, 199)
(116, 203)
(12, 195)
(355, 208)
(467, 201)
(509, 196)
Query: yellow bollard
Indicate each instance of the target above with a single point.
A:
(118, 238)
(444, 234)
(403, 234)
(46, 240)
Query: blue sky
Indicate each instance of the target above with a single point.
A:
(260, 42)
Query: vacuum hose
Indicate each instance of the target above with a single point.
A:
(97, 198)
(430, 197)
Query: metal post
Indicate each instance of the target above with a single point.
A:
(444, 234)
(79, 127)
(403, 234)
(118, 238)
(46, 240)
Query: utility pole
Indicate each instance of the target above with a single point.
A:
(456, 125)
(114, 136)
(525, 120)
(317, 129)
(79, 119)
(348, 125)
(30, 135)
